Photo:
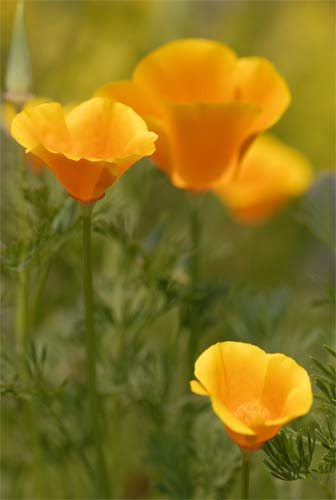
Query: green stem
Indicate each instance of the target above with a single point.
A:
(22, 313)
(22, 332)
(245, 474)
(91, 355)
(22, 302)
(195, 240)
(38, 295)
(194, 270)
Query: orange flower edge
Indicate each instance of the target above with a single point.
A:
(270, 174)
(88, 148)
(252, 392)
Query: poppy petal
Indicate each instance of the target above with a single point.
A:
(43, 124)
(127, 92)
(259, 83)
(270, 173)
(230, 420)
(102, 129)
(189, 70)
(205, 140)
(282, 377)
(198, 388)
(83, 179)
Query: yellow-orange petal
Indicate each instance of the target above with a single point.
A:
(127, 92)
(101, 129)
(253, 442)
(83, 179)
(259, 83)
(42, 124)
(225, 369)
(198, 388)
(270, 174)
(205, 139)
(188, 70)
(283, 377)
(229, 419)
(162, 154)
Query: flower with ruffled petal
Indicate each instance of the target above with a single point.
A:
(206, 105)
(252, 392)
(270, 174)
(88, 148)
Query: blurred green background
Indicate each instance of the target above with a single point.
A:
(269, 284)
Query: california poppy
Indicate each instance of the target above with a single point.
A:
(206, 104)
(271, 173)
(88, 148)
(252, 392)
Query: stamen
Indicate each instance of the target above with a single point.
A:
(248, 412)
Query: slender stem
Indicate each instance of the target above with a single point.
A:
(194, 270)
(91, 354)
(38, 295)
(22, 332)
(245, 474)
(22, 313)
(22, 302)
(195, 240)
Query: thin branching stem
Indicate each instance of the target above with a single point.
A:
(91, 356)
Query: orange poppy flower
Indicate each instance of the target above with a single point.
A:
(87, 149)
(270, 174)
(206, 105)
(252, 392)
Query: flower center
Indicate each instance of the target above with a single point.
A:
(248, 412)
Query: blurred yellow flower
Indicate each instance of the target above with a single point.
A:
(8, 113)
(206, 105)
(253, 393)
(9, 110)
(270, 174)
(88, 148)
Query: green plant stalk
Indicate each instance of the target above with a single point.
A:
(194, 271)
(245, 478)
(91, 355)
(22, 312)
(38, 295)
(22, 332)
(22, 301)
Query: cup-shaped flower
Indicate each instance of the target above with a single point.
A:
(88, 148)
(252, 392)
(270, 174)
(206, 104)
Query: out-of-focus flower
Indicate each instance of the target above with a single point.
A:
(271, 173)
(8, 113)
(87, 149)
(9, 110)
(206, 105)
(253, 393)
